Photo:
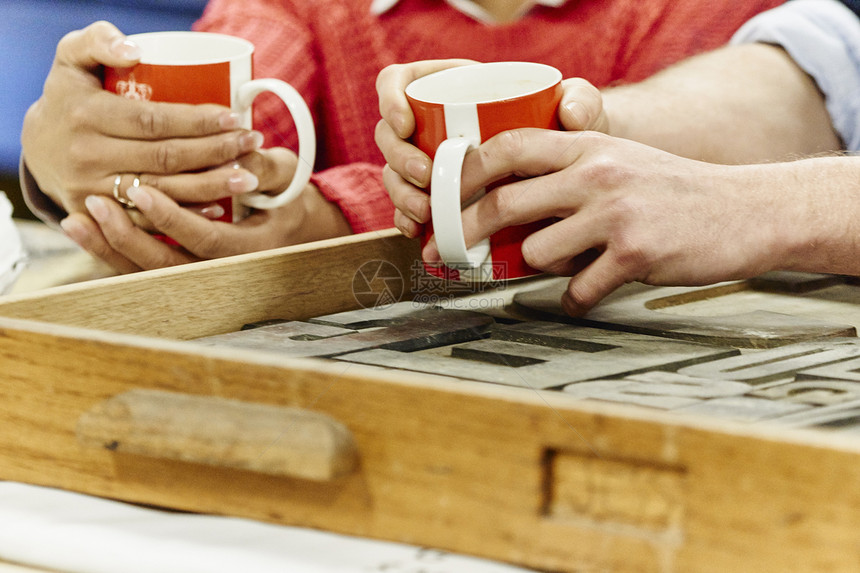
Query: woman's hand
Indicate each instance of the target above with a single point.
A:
(109, 232)
(77, 138)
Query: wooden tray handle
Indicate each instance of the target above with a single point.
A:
(221, 432)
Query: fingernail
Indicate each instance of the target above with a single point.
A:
(73, 229)
(417, 170)
(398, 122)
(97, 208)
(251, 141)
(229, 120)
(579, 113)
(431, 255)
(242, 182)
(125, 48)
(141, 198)
(417, 207)
(214, 211)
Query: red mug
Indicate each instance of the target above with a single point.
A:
(456, 110)
(201, 67)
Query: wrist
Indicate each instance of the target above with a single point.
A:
(312, 217)
(814, 215)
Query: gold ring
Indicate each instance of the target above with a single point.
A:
(127, 203)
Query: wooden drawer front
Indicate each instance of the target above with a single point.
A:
(564, 447)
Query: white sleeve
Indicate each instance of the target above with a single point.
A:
(823, 38)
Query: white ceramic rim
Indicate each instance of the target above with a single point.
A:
(190, 48)
(436, 88)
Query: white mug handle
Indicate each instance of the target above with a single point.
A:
(446, 209)
(307, 139)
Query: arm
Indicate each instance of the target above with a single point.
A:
(740, 104)
(628, 212)
(775, 107)
(77, 137)
(106, 231)
(788, 97)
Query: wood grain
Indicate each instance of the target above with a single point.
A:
(218, 296)
(281, 441)
(738, 314)
(532, 477)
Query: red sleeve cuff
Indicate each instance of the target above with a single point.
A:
(40, 204)
(358, 190)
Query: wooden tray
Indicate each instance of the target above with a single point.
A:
(638, 467)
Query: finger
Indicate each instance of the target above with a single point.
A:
(555, 248)
(592, 285)
(407, 226)
(138, 246)
(119, 117)
(197, 235)
(173, 156)
(201, 187)
(391, 88)
(531, 153)
(524, 153)
(100, 43)
(411, 201)
(403, 157)
(103, 44)
(274, 167)
(86, 233)
(518, 203)
(581, 107)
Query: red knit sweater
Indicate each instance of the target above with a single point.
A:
(332, 50)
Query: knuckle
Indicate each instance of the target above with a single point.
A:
(81, 159)
(157, 181)
(628, 247)
(207, 244)
(266, 159)
(511, 144)
(204, 118)
(581, 295)
(379, 133)
(533, 254)
(228, 148)
(503, 205)
(151, 122)
(630, 255)
(70, 38)
(166, 157)
(78, 113)
(606, 171)
(386, 74)
(536, 251)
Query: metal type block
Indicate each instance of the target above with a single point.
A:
(778, 363)
(639, 308)
(742, 408)
(548, 355)
(422, 328)
(844, 417)
(662, 390)
(847, 370)
(812, 392)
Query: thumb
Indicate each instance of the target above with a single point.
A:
(581, 107)
(99, 44)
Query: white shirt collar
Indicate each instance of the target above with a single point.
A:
(466, 6)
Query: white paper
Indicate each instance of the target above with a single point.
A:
(12, 257)
(75, 533)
